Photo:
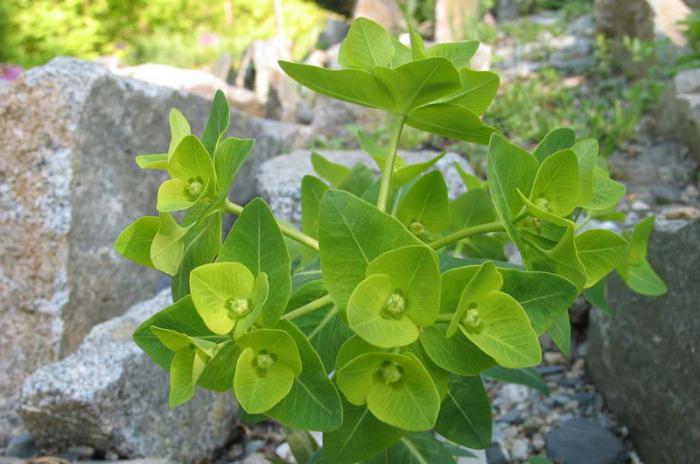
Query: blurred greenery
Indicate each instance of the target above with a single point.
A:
(176, 32)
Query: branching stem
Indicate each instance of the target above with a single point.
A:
(308, 307)
(388, 171)
(466, 233)
(290, 232)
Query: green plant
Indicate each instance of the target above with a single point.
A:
(404, 296)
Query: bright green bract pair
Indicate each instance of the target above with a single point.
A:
(377, 320)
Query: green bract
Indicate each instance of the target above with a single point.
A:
(378, 331)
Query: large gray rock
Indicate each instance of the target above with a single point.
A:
(583, 441)
(679, 110)
(110, 396)
(68, 186)
(644, 359)
(279, 180)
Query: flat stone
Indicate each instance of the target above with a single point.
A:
(583, 441)
(279, 180)
(69, 185)
(644, 359)
(110, 396)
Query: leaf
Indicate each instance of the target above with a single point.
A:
(181, 317)
(475, 293)
(402, 54)
(555, 189)
(184, 371)
(231, 153)
(168, 247)
(222, 293)
(360, 437)
(478, 90)
(351, 85)
(312, 189)
(502, 330)
(562, 259)
(301, 443)
(358, 180)
(456, 354)
(157, 161)
(596, 297)
(134, 242)
(528, 377)
(255, 240)
(556, 140)
(219, 371)
(405, 174)
(586, 153)
(418, 51)
(471, 182)
(415, 448)
(418, 82)
(465, 414)
(472, 208)
(600, 251)
(450, 120)
(509, 169)
(397, 388)
(179, 129)
(217, 123)
(333, 173)
(313, 402)
(458, 53)
(426, 203)
(606, 192)
(192, 175)
(366, 45)
(202, 244)
(351, 234)
(266, 369)
(561, 334)
(635, 270)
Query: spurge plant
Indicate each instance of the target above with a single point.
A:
(375, 322)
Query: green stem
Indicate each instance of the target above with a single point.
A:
(308, 307)
(444, 318)
(324, 322)
(290, 232)
(466, 233)
(388, 171)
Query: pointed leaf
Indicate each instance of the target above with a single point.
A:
(586, 153)
(426, 203)
(600, 251)
(415, 448)
(134, 242)
(217, 123)
(561, 334)
(465, 414)
(179, 129)
(477, 92)
(556, 140)
(157, 161)
(556, 185)
(168, 247)
(458, 53)
(231, 153)
(366, 45)
(312, 189)
(456, 354)
(528, 377)
(333, 173)
(450, 120)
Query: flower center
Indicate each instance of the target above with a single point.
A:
(391, 373)
(264, 360)
(195, 186)
(237, 307)
(471, 318)
(395, 305)
(542, 203)
(417, 228)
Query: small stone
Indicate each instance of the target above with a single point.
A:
(511, 417)
(513, 394)
(21, 446)
(256, 458)
(640, 206)
(583, 441)
(687, 213)
(494, 455)
(520, 449)
(551, 357)
(532, 425)
(253, 446)
(538, 442)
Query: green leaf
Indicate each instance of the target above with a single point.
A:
(472, 208)
(134, 242)
(456, 354)
(332, 172)
(586, 153)
(192, 173)
(352, 348)
(366, 45)
(405, 174)
(528, 377)
(157, 161)
(426, 203)
(180, 317)
(217, 123)
(450, 120)
(556, 185)
(474, 294)
(607, 193)
(168, 246)
(397, 389)
(351, 234)
(596, 297)
(556, 140)
(471, 182)
(358, 180)
(562, 259)
(301, 443)
(499, 326)
(351, 85)
(418, 51)
(255, 240)
(635, 270)
(465, 413)
(219, 371)
(458, 53)
(415, 448)
(230, 155)
(266, 369)
(402, 54)
(600, 251)
(368, 317)
(509, 169)
(312, 189)
(360, 437)
(185, 369)
(478, 90)
(179, 129)
(561, 334)
(419, 82)
(313, 402)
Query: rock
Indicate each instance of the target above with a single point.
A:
(679, 110)
(508, 10)
(256, 458)
(333, 33)
(21, 446)
(453, 17)
(494, 455)
(279, 180)
(520, 450)
(198, 82)
(643, 359)
(110, 396)
(668, 19)
(331, 117)
(69, 185)
(583, 441)
(631, 18)
(385, 13)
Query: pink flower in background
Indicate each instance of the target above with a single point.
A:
(10, 72)
(209, 39)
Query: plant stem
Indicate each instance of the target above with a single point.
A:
(467, 232)
(308, 307)
(444, 318)
(385, 185)
(290, 232)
